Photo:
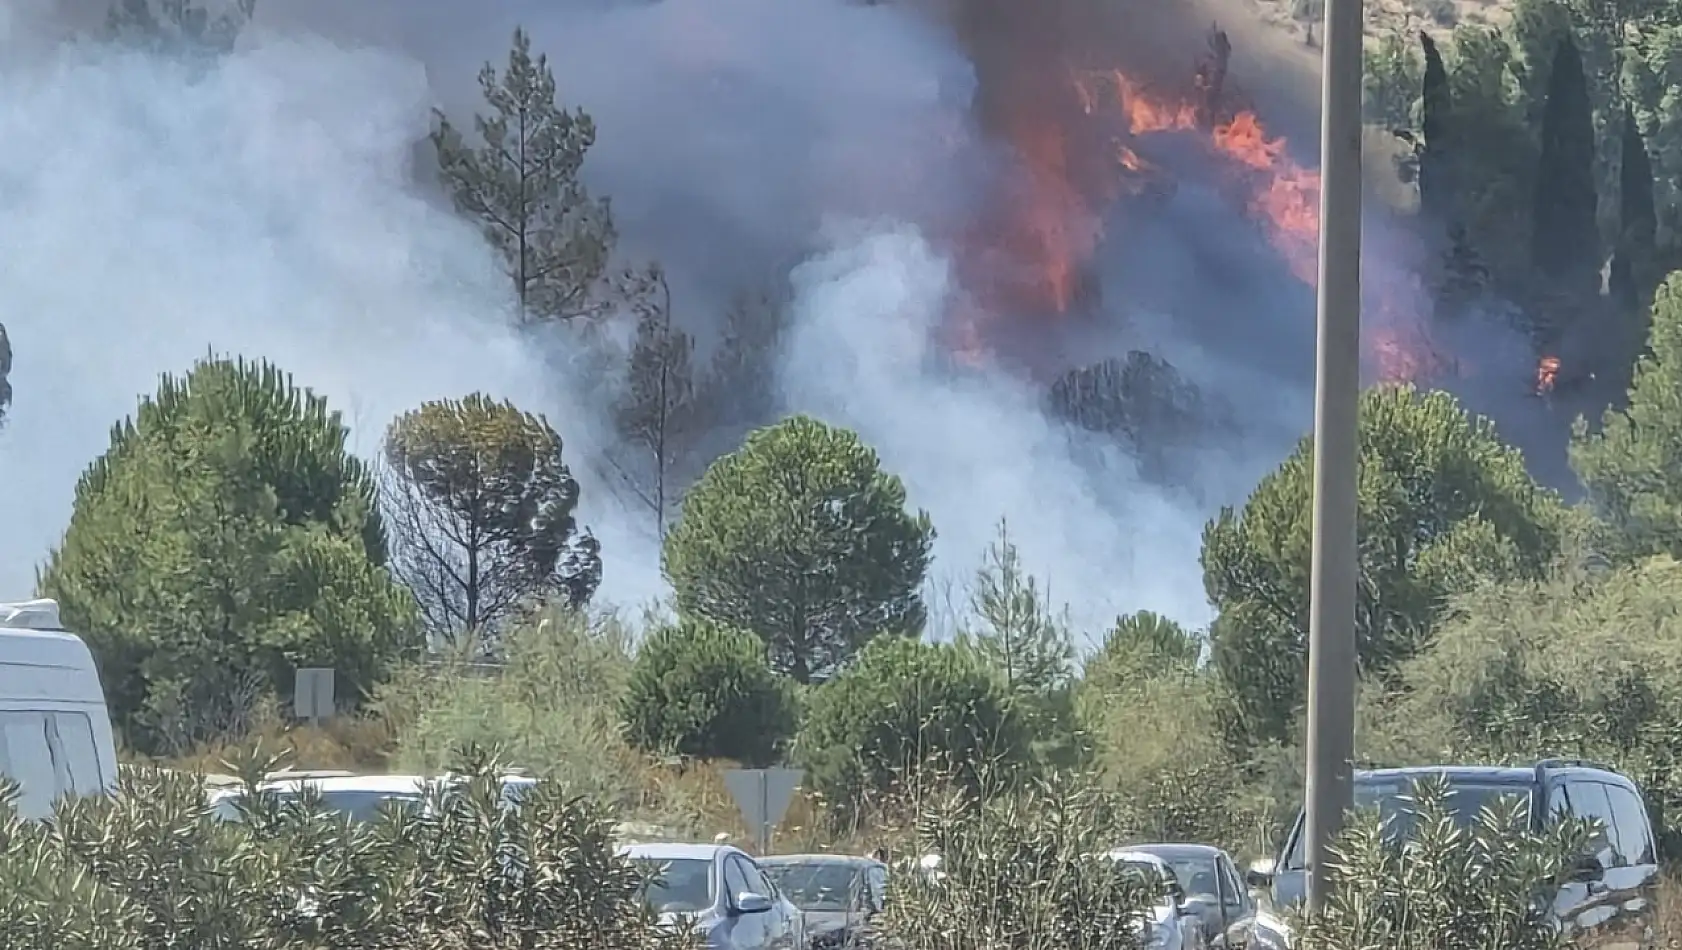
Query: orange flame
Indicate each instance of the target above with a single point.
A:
(1547, 373)
(1053, 217)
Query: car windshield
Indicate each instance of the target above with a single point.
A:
(1395, 805)
(1196, 875)
(828, 885)
(1151, 875)
(1393, 799)
(681, 886)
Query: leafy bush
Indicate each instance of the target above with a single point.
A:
(1451, 886)
(1586, 664)
(905, 713)
(1025, 871)
(705, 690)
(149, 869)
(551, 705)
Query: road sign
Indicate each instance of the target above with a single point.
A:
(763, 795)
(312, 694)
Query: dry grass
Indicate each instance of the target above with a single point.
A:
(1668, 927)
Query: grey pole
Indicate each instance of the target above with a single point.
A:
(1331, 618)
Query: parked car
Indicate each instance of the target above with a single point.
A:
(720, 894)
(837, 894)
(1608, 900)
(358, 796)
(1173, 924)
(1213, 889)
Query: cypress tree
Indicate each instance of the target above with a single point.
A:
(1564, 244)
(1637, 216)
(1436, 191)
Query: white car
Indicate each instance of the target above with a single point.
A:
(719, 894)
(1173, 923)
(358, 796)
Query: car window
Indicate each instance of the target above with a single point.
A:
(1393, 799)
(681, 886)
(1558, 804)
(1232, 890)
(74, 732)
(27, 759)
(818, 885)
(735, 877)
(1630, 828)
(1197, 876)
(877, 878)
(756, 881)
(1589, 802)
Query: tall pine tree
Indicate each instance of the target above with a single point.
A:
(1565, 244)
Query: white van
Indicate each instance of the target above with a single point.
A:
(55, 733)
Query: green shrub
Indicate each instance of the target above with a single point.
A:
(1025, 871)
(907, 712)
(552, 706)
(705, 690)
(1452, 886)
(149, 869)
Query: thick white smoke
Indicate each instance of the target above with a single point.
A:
(270, 208)
(974, 445)
(263, 209)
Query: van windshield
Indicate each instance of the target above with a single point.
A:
(1393, 800)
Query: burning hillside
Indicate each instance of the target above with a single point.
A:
(1081, 138)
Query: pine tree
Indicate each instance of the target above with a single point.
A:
(522, 183)
(657, 413)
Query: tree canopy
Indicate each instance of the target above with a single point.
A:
(1443, 502)
(802, 539)
(481, 507)
(1632, 466)
(704, 690)
(262, 551)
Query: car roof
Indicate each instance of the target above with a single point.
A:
(1455, 774)
(774, 860)
(674, 851)
(1137, 856)
(386, 784)
(1178, 850)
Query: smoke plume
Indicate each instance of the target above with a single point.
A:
(278, 206)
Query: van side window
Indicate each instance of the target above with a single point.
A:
(1632, 831)
(77, 753)
(1588, 801)
(27, 759)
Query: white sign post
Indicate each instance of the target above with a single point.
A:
(763, 795)
(312, 694)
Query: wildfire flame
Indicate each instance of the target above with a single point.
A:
(1547, 372)
(1053, 222)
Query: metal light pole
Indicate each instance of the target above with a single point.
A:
(1331, 618)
